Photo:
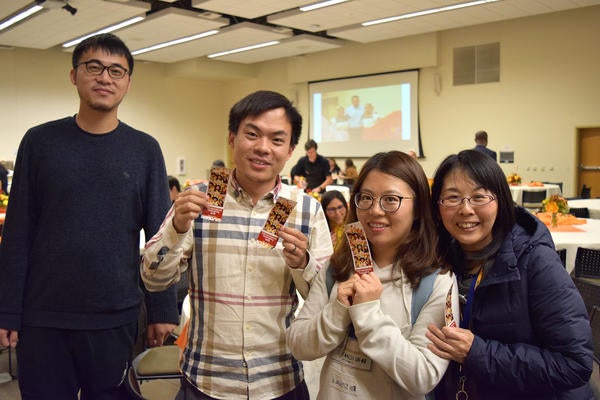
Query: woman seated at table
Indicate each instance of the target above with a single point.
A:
(350, 173)
(524, 330)
(336, 208)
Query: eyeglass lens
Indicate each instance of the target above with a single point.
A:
(96, 68)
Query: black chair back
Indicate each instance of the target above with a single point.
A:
(595, 323)
(562, 254)
(587, 263)
(586, 192)
(590, 293)
(580, 212)
(533, 199)
(555, 183)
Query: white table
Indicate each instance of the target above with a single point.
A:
(345, 190)
(588, 237)
(591, 204)
(517, 191)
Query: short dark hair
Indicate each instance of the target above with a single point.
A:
(261, 101)
(481, 137)
(107, 42)
(486, 172)
(218, 163)
(418, 254)
(310, 144)
(173, 182)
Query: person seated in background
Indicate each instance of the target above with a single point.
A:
(334, 169)
(366, 326)
(313, 168)
(481, 141)
(174, 187)
(524, 331)
(218, 164)
(336, 208)
(3, 179)
(350, 173)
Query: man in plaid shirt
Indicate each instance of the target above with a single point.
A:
(243, 294)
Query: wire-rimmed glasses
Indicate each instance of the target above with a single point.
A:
(477, 200)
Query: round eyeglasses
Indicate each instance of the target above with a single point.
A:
(94, 67)
(474, 201)
(388, 202)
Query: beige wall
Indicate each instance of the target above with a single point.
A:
(549, 86)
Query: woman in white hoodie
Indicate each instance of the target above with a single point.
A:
(369, 325)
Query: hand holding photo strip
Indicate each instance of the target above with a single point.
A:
(359, 246)
(450, 321)
(217, 189)
(277, 217)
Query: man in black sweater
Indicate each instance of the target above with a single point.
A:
(314, 168)
(83, 188)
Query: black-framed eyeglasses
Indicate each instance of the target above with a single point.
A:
(335, 209)
(477, 200)
(388, 202)
(94, 67)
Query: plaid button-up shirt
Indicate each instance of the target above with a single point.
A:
(243, 295)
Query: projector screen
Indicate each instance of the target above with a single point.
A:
(358, 117)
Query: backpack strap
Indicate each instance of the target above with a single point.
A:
(421, 294)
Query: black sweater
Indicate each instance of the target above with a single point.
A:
(69, 256)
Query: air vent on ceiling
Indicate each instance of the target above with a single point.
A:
(477, 64)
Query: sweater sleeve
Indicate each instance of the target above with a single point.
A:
(321, 324)
(17, 236)
(560, 356)
(402, 350)
(161, 305)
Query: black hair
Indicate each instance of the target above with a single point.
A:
(173, 182)
(107, 42)
(486, 172)
(261, 101)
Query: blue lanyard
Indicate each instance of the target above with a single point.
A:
(466, 317)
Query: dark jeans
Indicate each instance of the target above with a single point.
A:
(55, 364)
(190, 392)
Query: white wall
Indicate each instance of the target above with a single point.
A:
(549, 86)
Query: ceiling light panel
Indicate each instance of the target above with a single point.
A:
(51, 27)
(233, 37)
(166, 25)
(249, 9)
(351, 12)
(294, 46)
(490, 12)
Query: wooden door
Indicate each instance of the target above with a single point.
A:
(589, 160)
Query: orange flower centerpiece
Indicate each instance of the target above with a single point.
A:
(555, 205)
(514, 179)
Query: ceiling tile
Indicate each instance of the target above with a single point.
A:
(168, 24)
(54, 26)
(233, 37)
(297, 45)
(249, 9)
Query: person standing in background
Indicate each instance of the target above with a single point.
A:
(243, 293)
(314, 168)
(354, 114)
(174, 187)
(481, 141)
(83, 188)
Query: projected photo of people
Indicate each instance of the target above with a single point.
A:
(362, 115)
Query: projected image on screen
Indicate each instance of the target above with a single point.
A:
(358, 117)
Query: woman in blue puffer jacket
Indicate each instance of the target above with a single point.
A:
(524, 331)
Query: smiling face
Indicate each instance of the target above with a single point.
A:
(470, 226)
(386, 231)
(100, 92)
(261, 147)
(336, 212)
